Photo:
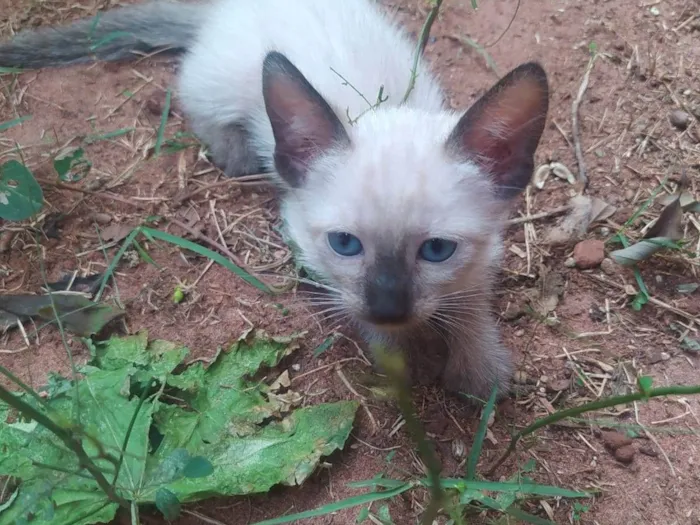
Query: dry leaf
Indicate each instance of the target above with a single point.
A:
(573, 225)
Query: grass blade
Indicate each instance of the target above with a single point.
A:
(163, 122)
(12, 123)
(480, 435)
(205, 252)
(363, 499)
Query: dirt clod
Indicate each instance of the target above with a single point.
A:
(679, 119)
(625, 454)
(589, 253)
(649, 451)
(615, 440)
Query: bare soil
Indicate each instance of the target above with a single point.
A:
(649, 67)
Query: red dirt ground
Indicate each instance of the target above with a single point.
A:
(650, 66)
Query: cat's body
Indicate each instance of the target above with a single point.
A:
(399, 207)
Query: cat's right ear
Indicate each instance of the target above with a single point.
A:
(502, 130)
(303, 124)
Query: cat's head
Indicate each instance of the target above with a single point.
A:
(400, 213)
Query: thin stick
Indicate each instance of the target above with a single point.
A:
(420, 48)
(575, 133)
(537, 216)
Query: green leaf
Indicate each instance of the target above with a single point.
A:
(218, 434)
(72, 167)
(198, 467)
(168, 504)
(645, 383)
(20, 194)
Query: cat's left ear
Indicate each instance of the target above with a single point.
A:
(502, 130)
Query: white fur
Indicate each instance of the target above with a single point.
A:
(221, 76)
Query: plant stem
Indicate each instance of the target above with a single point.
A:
(64, 435)
(422, 42)
(589, 407)
(394, 366)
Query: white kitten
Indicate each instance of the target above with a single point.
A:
(396, 205)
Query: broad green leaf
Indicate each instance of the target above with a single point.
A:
(20, 194)
(72, 167)
(217, 436)
(198, 467)
(168, 504)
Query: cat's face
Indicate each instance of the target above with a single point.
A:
(401, 213)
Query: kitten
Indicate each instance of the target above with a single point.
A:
(399, 207)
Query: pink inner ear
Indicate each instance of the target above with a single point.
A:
(502, 130)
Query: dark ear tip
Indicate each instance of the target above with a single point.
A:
(535, 70)
(275, 60)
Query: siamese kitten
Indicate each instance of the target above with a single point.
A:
(396, 205)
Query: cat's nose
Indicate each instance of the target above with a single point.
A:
(388, 299)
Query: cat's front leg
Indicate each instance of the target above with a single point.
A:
(477, 360)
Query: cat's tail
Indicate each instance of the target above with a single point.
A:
(119, 34)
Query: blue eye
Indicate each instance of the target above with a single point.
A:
(437, 250)
(344, 244)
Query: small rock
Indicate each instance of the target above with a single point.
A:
(519, 236)
(629, 194)
(570, 262)
(519, 333)
(615, 440)
(459, 449)
(608, 266)
(665, 356)
(102, 218)
(520, 377)
(649, 451)
(589, 253)
(655, 357)
(559, 385)
(659, 279)
(679, 119)
(625, 454)
(155, 107)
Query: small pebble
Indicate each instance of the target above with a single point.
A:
(665, 356)
(589, 253)
(608, 266)
(604, 231)
(459, 449)
(655, 357)
(570, 262)
(679, 119)
(659, 279)
(649, 451)
(102, 218)
(629, 194)
(625, 454)
(520, 377)
(296, 367)
(519, 333)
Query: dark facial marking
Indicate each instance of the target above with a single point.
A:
(388, 290)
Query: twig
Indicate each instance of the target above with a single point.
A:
(259, 179)
(652, 300)
(589, 407)
(575, 133)
(422, 42)
(537, 216)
